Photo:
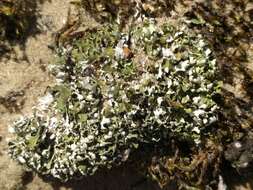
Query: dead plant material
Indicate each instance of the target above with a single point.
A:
(195, 170)
(14, 101)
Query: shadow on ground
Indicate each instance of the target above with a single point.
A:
(123, 178)
(18, 21)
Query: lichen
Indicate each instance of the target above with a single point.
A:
(116, 90)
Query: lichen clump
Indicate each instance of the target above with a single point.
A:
(116, 90)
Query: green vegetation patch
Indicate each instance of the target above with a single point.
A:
(114, 92)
